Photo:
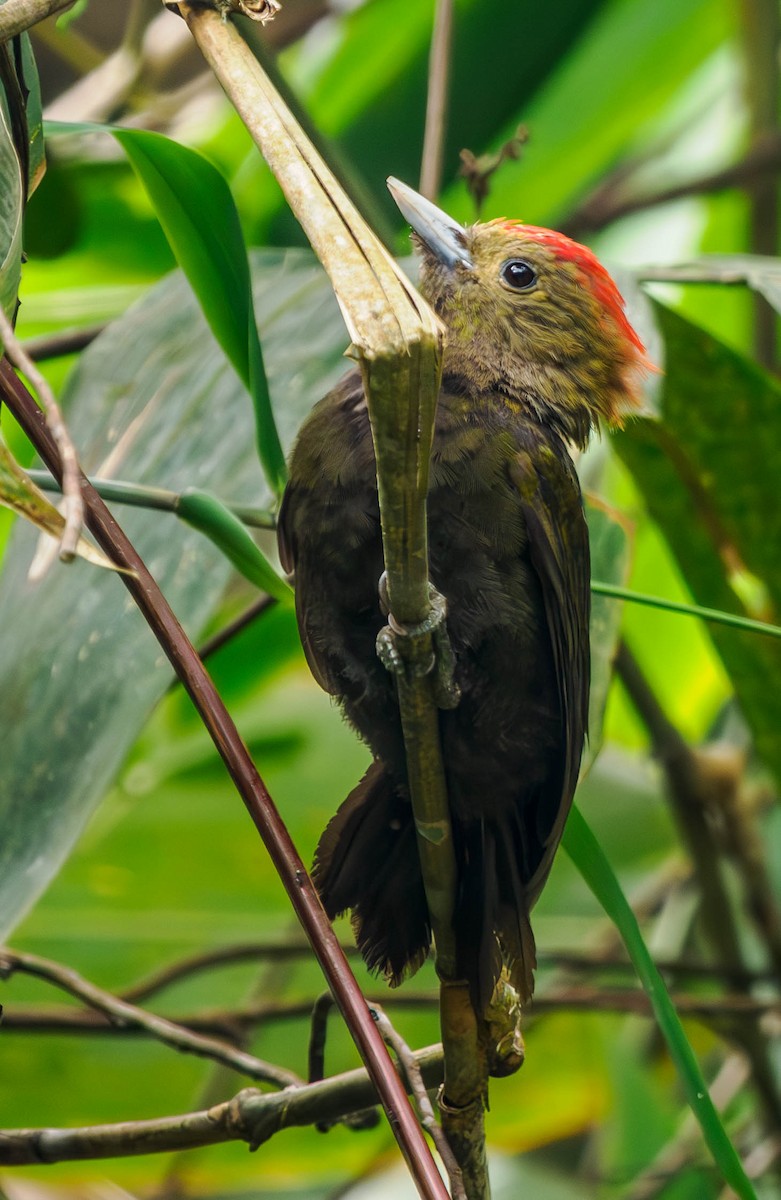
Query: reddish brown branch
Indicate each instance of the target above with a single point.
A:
(417, 1087)
(252, 790)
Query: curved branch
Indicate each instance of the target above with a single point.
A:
(18, 15)
(128, 1015)
(250, 1116)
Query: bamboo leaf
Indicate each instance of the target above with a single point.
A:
(715, 499)
(194, 205)
(11, 210)
(151, 395)
(207, 514)
(586, 853)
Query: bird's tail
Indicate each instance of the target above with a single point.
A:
(492, 909)
(367, 861)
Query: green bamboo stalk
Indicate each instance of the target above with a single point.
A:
(716, 615)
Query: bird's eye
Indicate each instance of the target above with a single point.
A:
(518, 275)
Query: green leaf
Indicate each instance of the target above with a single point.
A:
(12, 196)
(20, 115)
(34, 112)
(79, 669)
(195, 208)
(205, 513)
(708, 471)
(760, 272)
(585, 851)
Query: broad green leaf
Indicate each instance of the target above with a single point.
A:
(195, 208)
(588, 856)
(194, 205)
(12, 196)
(79, 669)
(37, 162)
(709, 471)
(19, 493)
(14, 190)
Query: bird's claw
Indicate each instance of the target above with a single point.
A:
(388, 651)
(447, 693)
(442, 661)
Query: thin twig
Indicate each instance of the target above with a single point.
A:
(73, 505)
(417, 1087)
(319, 1011)
(70, 46)
(193, 964)
(250, 1116)
(477, 170)
(168, 1032)
(276, 951)
(707, 270)
(66, 341)
(742, 842)
(228, 1023)
(679, 967)
(716, 615)
(318, 1031)
(437, 100)
(98, 95)
(18, 15)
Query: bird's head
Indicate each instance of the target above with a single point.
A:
(530, 314)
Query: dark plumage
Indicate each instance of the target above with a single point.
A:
(509, 550)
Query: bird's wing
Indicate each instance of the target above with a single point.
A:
(327, 525)
(559, 552)
(288, 555)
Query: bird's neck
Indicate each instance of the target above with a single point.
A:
(558, 396)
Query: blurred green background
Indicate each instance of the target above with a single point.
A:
(623, 103)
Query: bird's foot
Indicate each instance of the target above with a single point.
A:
(442, 661)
